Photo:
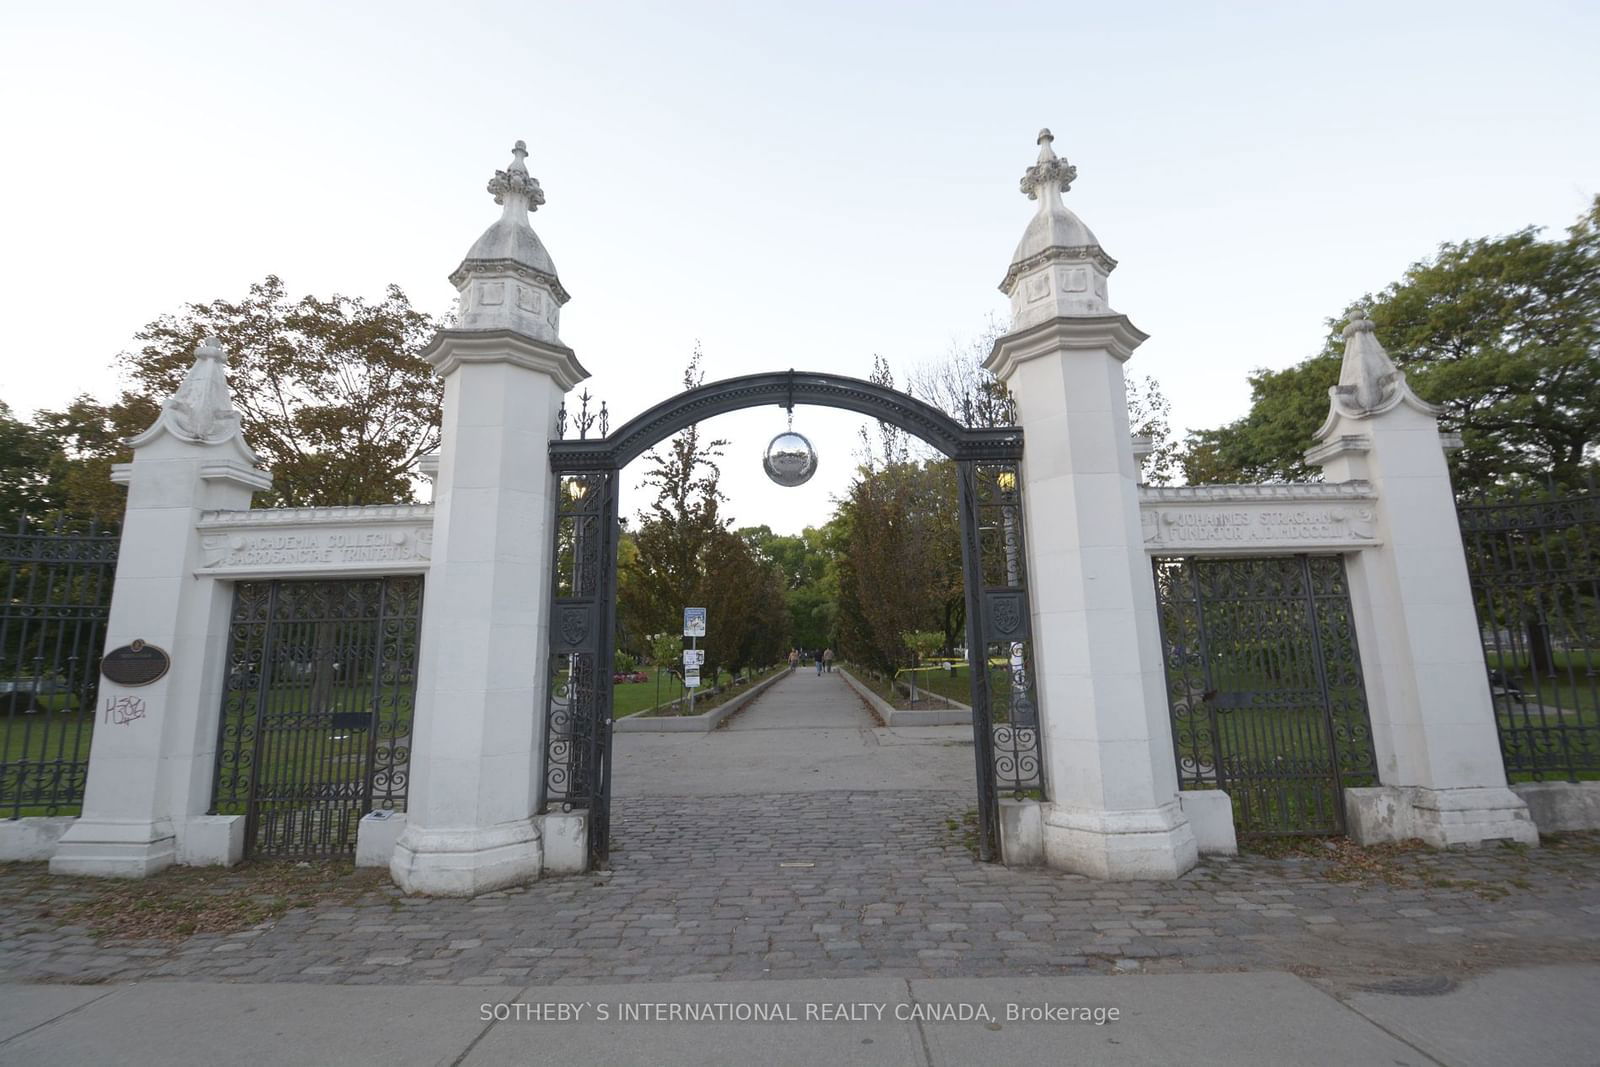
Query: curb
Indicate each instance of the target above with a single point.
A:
(892, 716)
(692, 724)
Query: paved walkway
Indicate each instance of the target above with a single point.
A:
(802, 843)
(806, 700)
(804, 734)
(814, 885)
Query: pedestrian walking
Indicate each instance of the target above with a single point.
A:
(794, 659)
(827, 660)
(819, 663)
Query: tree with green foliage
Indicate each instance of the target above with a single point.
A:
(805, 563)
(333, 391)
(684, 555)
(26, 456)
(1503, 333)
(901, 572)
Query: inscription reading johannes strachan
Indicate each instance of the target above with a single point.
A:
(1287, 525)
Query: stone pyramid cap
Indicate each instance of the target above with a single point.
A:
(201, 412)
(510, 244)
(1053, 230)
(1369, 382)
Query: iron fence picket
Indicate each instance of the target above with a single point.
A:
(1533, 559)
(293, 757)
(57, 582)
(1264, 687)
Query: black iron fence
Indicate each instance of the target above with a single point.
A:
(57, 581)
(317, 711)
(1265, 688)
(1534, 562)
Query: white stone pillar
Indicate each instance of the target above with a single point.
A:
(153, 754)
(477, 751)
(1113, 808)
(1433, 719)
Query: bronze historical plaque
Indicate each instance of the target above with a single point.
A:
(135, 663)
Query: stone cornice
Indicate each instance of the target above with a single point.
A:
(1355, 489)
(1343, 445)
(1111, 333)
(450, 349)
(1093, 253)
(371, 513)
(469, 267)
(226, 469)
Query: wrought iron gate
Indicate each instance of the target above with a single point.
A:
(999, 642)
(1265, 689)
(57, 580)
(578, 718)
(1534, 561)
(317, 710)
(578, 713)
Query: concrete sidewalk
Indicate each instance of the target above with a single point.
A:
(1539, 1015)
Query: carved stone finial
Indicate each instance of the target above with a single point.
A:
(1367, 374)
(1048, 171)
(513, 187)
(1359, 323)
(201, 411)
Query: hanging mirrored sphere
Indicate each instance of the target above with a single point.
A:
(790, 459)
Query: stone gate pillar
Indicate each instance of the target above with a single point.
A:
(1433, 720)
(153, 753)
(1113, 809)
(477, 735)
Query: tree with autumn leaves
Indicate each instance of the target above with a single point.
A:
(333, 391)
(682, 553)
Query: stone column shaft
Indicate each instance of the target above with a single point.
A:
(1113, 809)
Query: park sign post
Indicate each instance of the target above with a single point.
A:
(694, 627)
(694, 622)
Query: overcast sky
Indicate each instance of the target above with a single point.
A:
(792, 185)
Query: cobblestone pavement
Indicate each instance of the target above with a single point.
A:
(851, 883)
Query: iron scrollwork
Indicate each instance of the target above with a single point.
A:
(1264, 687)
(317, 710)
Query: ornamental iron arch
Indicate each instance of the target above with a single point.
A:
(578, 716)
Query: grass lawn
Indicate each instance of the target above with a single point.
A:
(628, 698)
(42, 742)
(1574, 687)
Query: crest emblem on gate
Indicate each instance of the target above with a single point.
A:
(1006, 614)
(574, 625)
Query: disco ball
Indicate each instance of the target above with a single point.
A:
(790, 459)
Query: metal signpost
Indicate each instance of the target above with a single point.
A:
(694, 627)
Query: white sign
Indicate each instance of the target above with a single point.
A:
(694, 622)
(694, 657)
(691, 678)
(293, 541)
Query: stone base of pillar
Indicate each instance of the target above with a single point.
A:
(108, 848)
(1210, 815)
(1021, 833)
(1146, 843)
(1561, 807)
(466, 862)
(566, 842)
(1443, 818)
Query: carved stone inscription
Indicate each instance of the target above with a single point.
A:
(313, 548)
(1260, 526)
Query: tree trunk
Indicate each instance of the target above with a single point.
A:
(1541, 656)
